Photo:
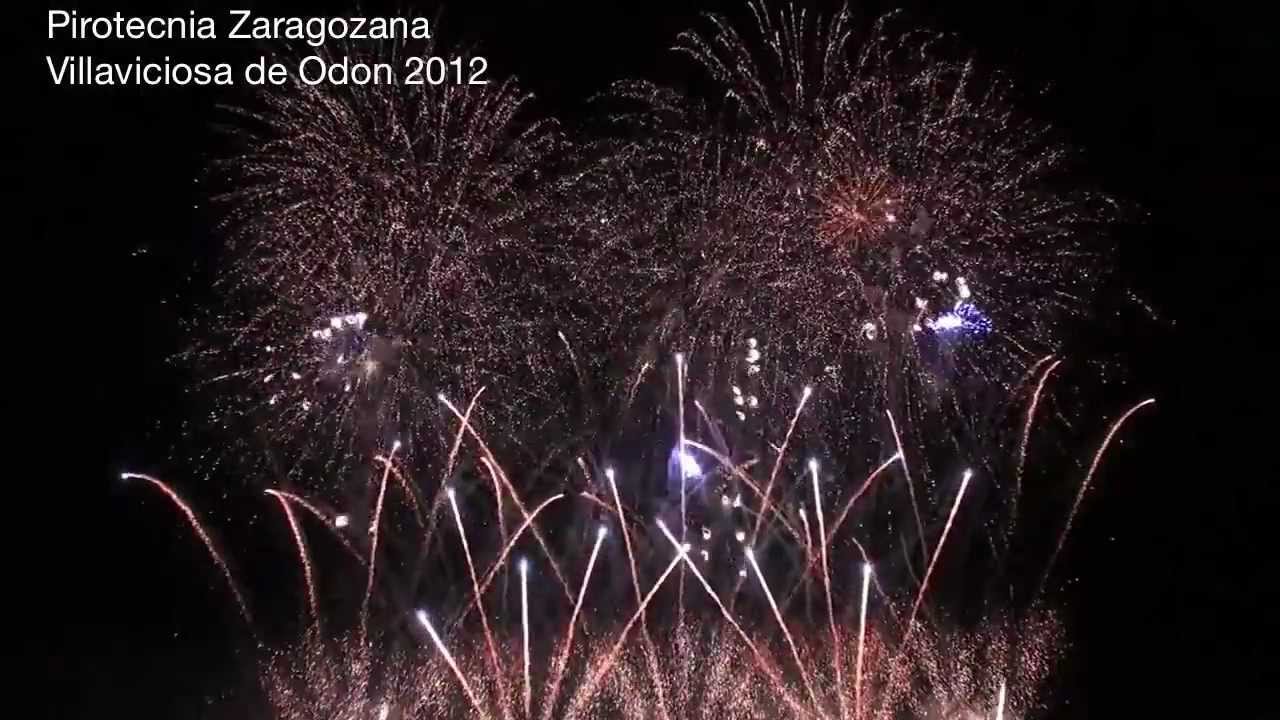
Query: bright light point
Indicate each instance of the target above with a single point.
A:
(742, 572)
(602, 531)
(679, 358)
(968, 473)
(753, 401)
(685, 548)
(295, 376)
(706, 533)
(738, 400)
(422, 618)
(807, 391)
(335, 323)
(524, 566)
(741, 415)
(724, 500)
(964, 292)
(813, 465)
(921, 303)
(866, 568)
(891, 217)
(706, 556)
(661, 525)
(395, 445)
(751, 554)
(361, 317)
(608, 472)
(736, 390)
(961, 281)
(267, 379)
(689, 465)
(751, 342)
(737, 500)
(450, 492)
(803, 514)
(442, 398)
(341, 521)
(916, 327)
(753, 355)
(741, 536)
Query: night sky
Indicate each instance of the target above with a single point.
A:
(1167, 100)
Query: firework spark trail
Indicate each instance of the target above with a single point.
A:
(573, 359)
(373, 545)
(911, 488)
(308, 579)
(805, 580)
(497, 497)
(862, 636)
(327, 521)
(650, 655)
(586, 690)
(826, 583)
(462, 680)
(759, 657)
(558, 673)
(494, 662)
(1022, 450)
(786, 633)
(768, 488)
(1000, 702)
(497, 564)
(190, 514)
(684, 491)
(844, 513)
(1084, 487)
(448, 471)
(524, 627)
(924, 582)
(515, 497)
(407, 487)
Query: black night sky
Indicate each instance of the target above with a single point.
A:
(1167, 99)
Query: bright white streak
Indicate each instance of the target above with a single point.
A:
(650, 655)
(786, 633)
(573, 621)
(862, 636)
(435, 638)
(684, 501)
(826, 583)
(1000, 703)
(494, 663)
(524, 625)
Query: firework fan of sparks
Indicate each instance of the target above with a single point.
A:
(862, 211)
(880, 646)
(382, 250)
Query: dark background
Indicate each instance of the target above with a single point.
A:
(1170, 101)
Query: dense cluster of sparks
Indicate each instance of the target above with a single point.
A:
(864, 212)
(856, 235)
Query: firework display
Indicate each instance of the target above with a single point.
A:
(621, 635)
(695, 417)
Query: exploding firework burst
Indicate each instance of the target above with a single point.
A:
(382, 250)
(859, 210)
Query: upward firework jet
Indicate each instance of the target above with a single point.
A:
(650, 651)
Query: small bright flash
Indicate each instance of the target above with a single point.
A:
(341, 521)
